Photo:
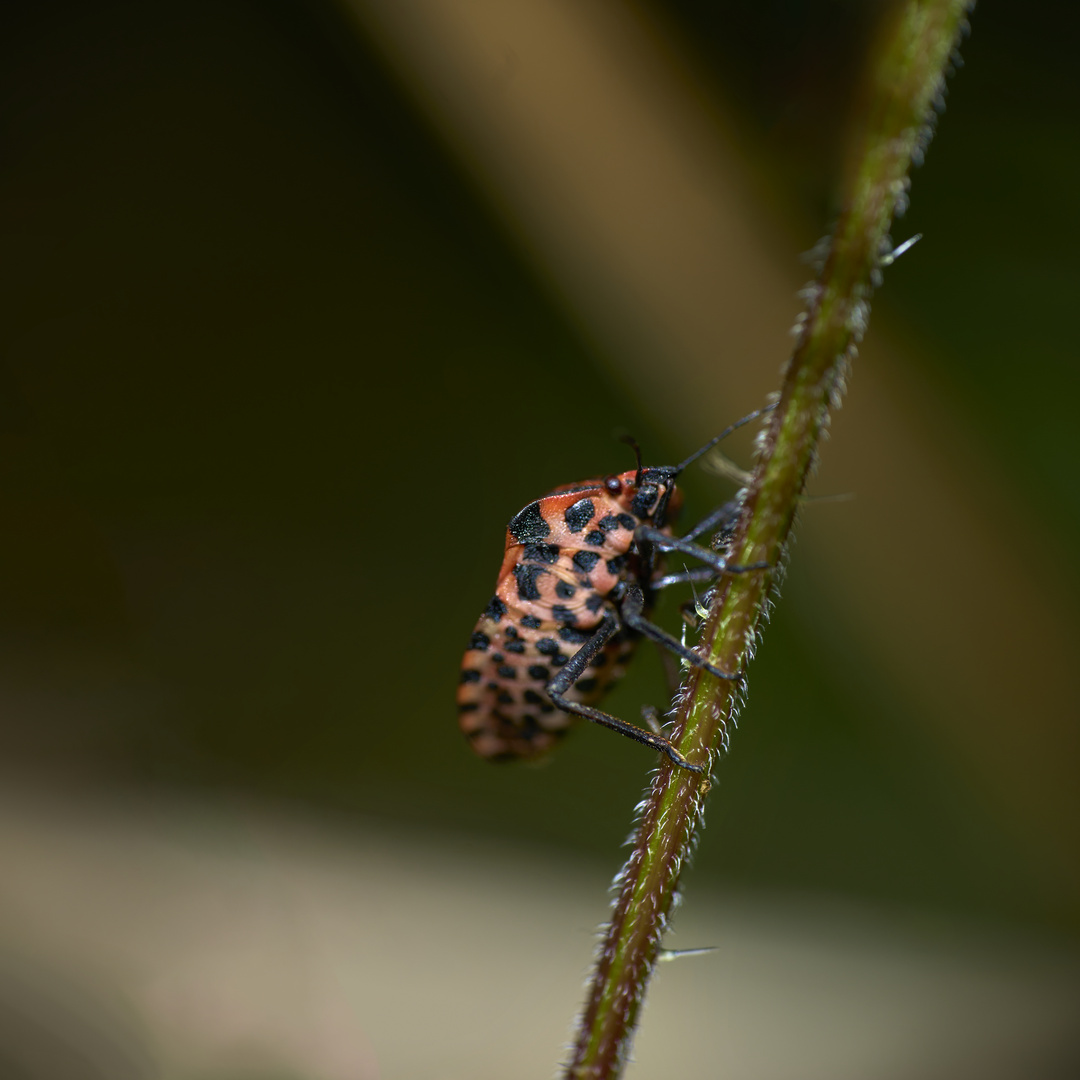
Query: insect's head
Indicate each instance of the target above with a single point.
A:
(650, 494)
(647, 494)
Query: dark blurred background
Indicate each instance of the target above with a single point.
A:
(278, 366)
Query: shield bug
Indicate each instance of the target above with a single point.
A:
(580, 573)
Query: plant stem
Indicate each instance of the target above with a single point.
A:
(907, 81)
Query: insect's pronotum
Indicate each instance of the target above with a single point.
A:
(578, 580)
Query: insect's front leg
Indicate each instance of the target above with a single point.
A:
(720, 520)
(576, 666)
(649, 534)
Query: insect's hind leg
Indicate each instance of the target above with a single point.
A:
(575, 667)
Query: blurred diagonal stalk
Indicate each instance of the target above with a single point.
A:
(907, 81)
(578, 124)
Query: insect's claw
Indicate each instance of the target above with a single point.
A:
(681, 761)
(719, 673)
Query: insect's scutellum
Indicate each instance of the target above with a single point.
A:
(579, 576)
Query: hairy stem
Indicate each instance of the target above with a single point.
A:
(907, 80)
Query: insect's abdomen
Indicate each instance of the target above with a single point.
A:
(504, 710)
(564, 555)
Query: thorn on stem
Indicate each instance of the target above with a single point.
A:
(907, 245)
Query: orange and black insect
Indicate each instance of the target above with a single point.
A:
(578, 580)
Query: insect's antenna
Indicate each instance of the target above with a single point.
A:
(723, 435)
(632, 442)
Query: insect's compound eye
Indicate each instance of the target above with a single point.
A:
(613, 484)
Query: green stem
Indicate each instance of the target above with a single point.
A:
(907, 81)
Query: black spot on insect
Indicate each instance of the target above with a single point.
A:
(545, 553)
(547, 646)
(561, 613)
(497, 658)
(546, 707)
(493, 686)
(539, 672)
(480, 641)
(526, 581)
(600, 659)
(608, 523)
(505, 698)
(586, 686)
(594, 603)
(530, 622)
(573, 636)
(564, 590)
(496, 609)
(579, 515)
(505, 671)
(596, 538)
(530, 726)
(510, 632)
(586, 560)
(515, 646)
(627, 522)
(644, 500)
(559, 659)
(468, 706)
(528, 526)
(470, 675)
(531, 697)
(615, 565)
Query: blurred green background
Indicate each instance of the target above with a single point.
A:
(274, 377)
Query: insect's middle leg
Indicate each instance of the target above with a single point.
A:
(700, 573)
(633, 612)
(575, 667)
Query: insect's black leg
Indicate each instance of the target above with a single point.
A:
(721, 519)
(701, 573)
(632, 612)
(651, 535)
(575, 668)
